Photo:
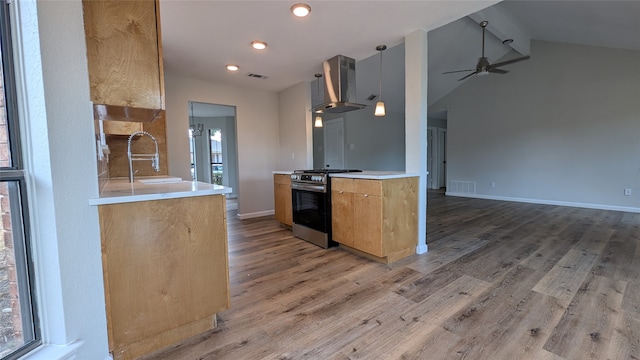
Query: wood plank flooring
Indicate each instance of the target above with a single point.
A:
(501, 280)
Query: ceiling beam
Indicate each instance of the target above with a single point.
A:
(504, 28)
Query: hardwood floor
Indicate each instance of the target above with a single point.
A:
(501, 280)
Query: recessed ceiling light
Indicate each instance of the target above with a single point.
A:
(259, 45)
(301, 10)
(232, 67)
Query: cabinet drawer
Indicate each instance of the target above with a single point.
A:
(342, 184)
(371, 187)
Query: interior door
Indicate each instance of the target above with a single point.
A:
(334, 144)
(430, 157)
(442, 157)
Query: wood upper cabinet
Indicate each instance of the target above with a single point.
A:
(124, 52)
(166, 271)
(282, 198)
(376, 217)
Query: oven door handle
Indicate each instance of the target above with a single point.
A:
(313, 188)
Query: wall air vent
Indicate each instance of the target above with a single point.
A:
(257, 76)
(462, 187)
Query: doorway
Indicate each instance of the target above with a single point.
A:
(212, 134)
(437, 150)
(431, 158)
(442, 158)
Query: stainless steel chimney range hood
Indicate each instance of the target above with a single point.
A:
(340, 86)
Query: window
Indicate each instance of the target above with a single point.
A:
(19, 327)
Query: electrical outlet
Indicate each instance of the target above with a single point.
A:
(493, 185)
(293, 156)
(627, 192)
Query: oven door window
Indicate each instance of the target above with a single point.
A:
(310, 209)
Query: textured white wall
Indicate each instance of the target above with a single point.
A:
(295, 126)
(561, 127)
(257, 132)
(61, 148)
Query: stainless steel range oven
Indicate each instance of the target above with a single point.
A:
(311, 203)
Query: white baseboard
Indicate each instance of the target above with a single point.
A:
(256, 214)
(422, 249)
(547, 202)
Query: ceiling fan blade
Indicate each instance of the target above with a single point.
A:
(498, 71)
(457, 71)
(493, 66)
(473, 73)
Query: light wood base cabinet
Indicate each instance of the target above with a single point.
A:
(282, 198)
(376, 217)
(166, 271)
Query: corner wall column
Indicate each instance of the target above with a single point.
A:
(416, 123)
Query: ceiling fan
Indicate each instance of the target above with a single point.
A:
(484, 67)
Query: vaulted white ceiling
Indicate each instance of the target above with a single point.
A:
(200, 37)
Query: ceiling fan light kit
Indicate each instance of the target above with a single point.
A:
(484, 67)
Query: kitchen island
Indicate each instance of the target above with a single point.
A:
(165, 261)
(375, 213)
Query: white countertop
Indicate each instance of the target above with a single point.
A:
(376, 175)
(122, 191)
(283, 172)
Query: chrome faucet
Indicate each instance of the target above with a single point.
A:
(154, 158)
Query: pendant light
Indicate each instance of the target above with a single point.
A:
(318, 122)
(380, 110)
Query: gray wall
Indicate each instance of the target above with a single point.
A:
(563, 127)
(371, 142)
